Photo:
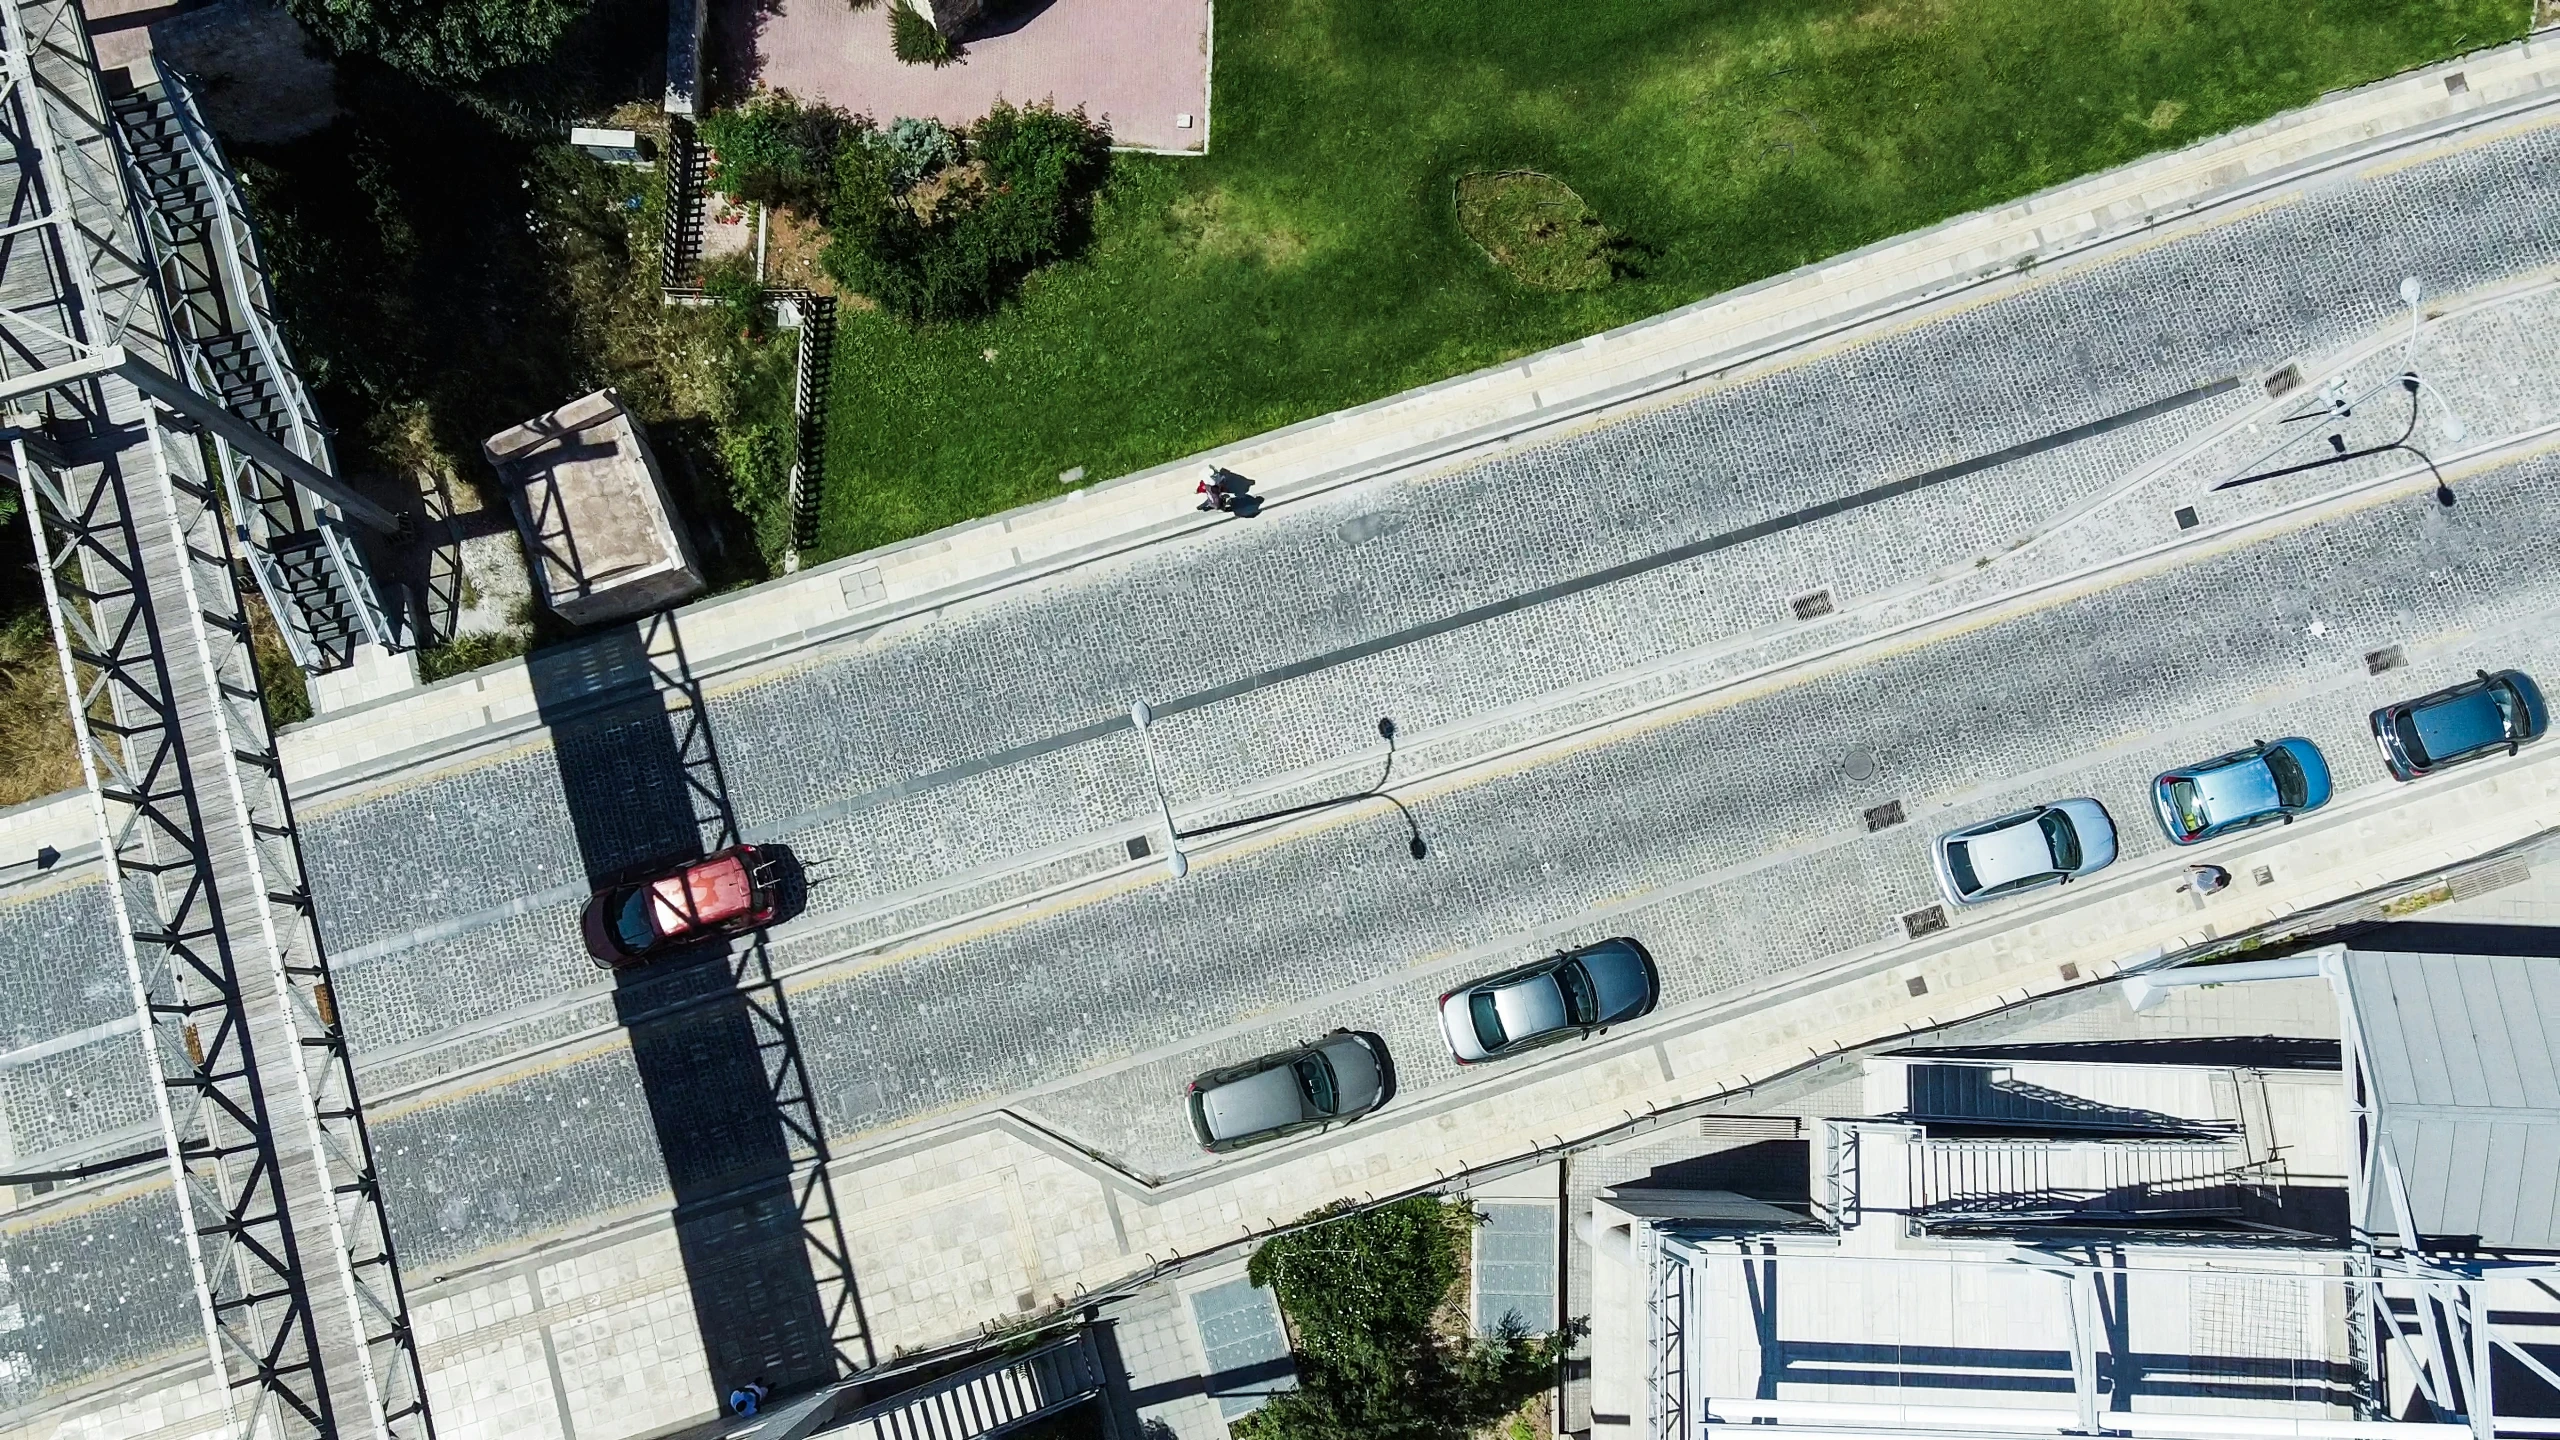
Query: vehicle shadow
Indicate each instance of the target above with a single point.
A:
(709, 1029)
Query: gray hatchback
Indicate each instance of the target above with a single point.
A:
(1339, 1078)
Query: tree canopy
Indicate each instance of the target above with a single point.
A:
(442, 40)
(1363, 1290)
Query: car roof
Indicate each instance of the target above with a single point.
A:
(1265, 1100)
(2456, 723)
(2012, 852)
(704, 893)
(1530, 1007)
(2233, 791)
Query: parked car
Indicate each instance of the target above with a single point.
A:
(728, 892)
(2492, 712)
(1337, 1079)
(2048, 845)
(1564, 995)
(2265, 783)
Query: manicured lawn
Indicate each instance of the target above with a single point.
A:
(1314, 260)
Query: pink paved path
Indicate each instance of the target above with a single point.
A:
(1137, 63)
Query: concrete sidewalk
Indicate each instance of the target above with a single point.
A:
(773, 625)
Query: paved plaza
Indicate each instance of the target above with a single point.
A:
(1142, 66)
(1711, 671)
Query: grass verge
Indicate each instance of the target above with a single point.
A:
(1315, 259)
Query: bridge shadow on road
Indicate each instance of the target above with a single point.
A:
(710, 1032)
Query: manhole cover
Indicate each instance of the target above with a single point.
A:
(1859, 764)
(2185, 515)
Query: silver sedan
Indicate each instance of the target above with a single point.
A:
(2026, 851)
(1573, 993)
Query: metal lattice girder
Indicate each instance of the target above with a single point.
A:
(226, 345)
(306, 1327)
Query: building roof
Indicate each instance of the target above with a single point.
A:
(2463, 1056)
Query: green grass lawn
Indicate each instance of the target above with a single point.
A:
(1314, 260)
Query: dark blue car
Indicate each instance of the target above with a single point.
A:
(2472, 719)
(2267, 782)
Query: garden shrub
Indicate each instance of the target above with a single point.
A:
(778, 151)
(915, 148)
(915, 39)
(1363, 1290)
(730, 283)
(951, 246)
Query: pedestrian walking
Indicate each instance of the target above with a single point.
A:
(2207, 878)
(1225, 490)
(747, 1399)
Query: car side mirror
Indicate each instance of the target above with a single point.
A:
(2483, 674)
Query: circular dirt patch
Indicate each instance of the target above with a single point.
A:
(1536, 229)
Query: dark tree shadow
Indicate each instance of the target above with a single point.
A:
(710, 1032)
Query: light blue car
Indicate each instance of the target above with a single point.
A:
(2264, 784)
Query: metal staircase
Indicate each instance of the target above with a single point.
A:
(991, 1399)
(133, 473)
(2078, 1179)
(225, 343)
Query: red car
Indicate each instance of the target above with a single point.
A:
(728, 892)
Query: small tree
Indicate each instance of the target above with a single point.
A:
(915, 39)
(1361, 1290)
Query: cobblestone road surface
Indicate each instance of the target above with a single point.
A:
(966, 741)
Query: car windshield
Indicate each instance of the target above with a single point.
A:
(2061, 839)
(2406, 726)
(1960, 869)
(1488, 1024)
(2187, 804)
(2292, 787)
(1316, 1078)
(631, 921)
(1579, 1001)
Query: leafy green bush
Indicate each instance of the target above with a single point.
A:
(915, 148)
(778, 151)
(952, 246)
(915, 39)
(1361, 1289)
(442, 40)
(730, 282)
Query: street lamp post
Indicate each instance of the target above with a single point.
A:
(1142, 716)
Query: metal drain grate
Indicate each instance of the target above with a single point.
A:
(2070, 973)
(1927, 921)
(2457, 84)
(1916, 986)
(2389, 657)
(2264, 875)
(1884, 816)
(2185, 515)
(2286, 380)
(1812, 606)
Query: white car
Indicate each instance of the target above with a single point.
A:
(2026, 851)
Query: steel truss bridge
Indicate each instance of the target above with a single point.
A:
(168, 460)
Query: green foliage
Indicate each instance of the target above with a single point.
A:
(915, 39)
(1537, 230)
(442, 40)
(758, 439)
(731, 284)
(1310, 261)
(1361, 1290)
(953, 246)
(778, 151)
(915, 149)
(466, 653)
